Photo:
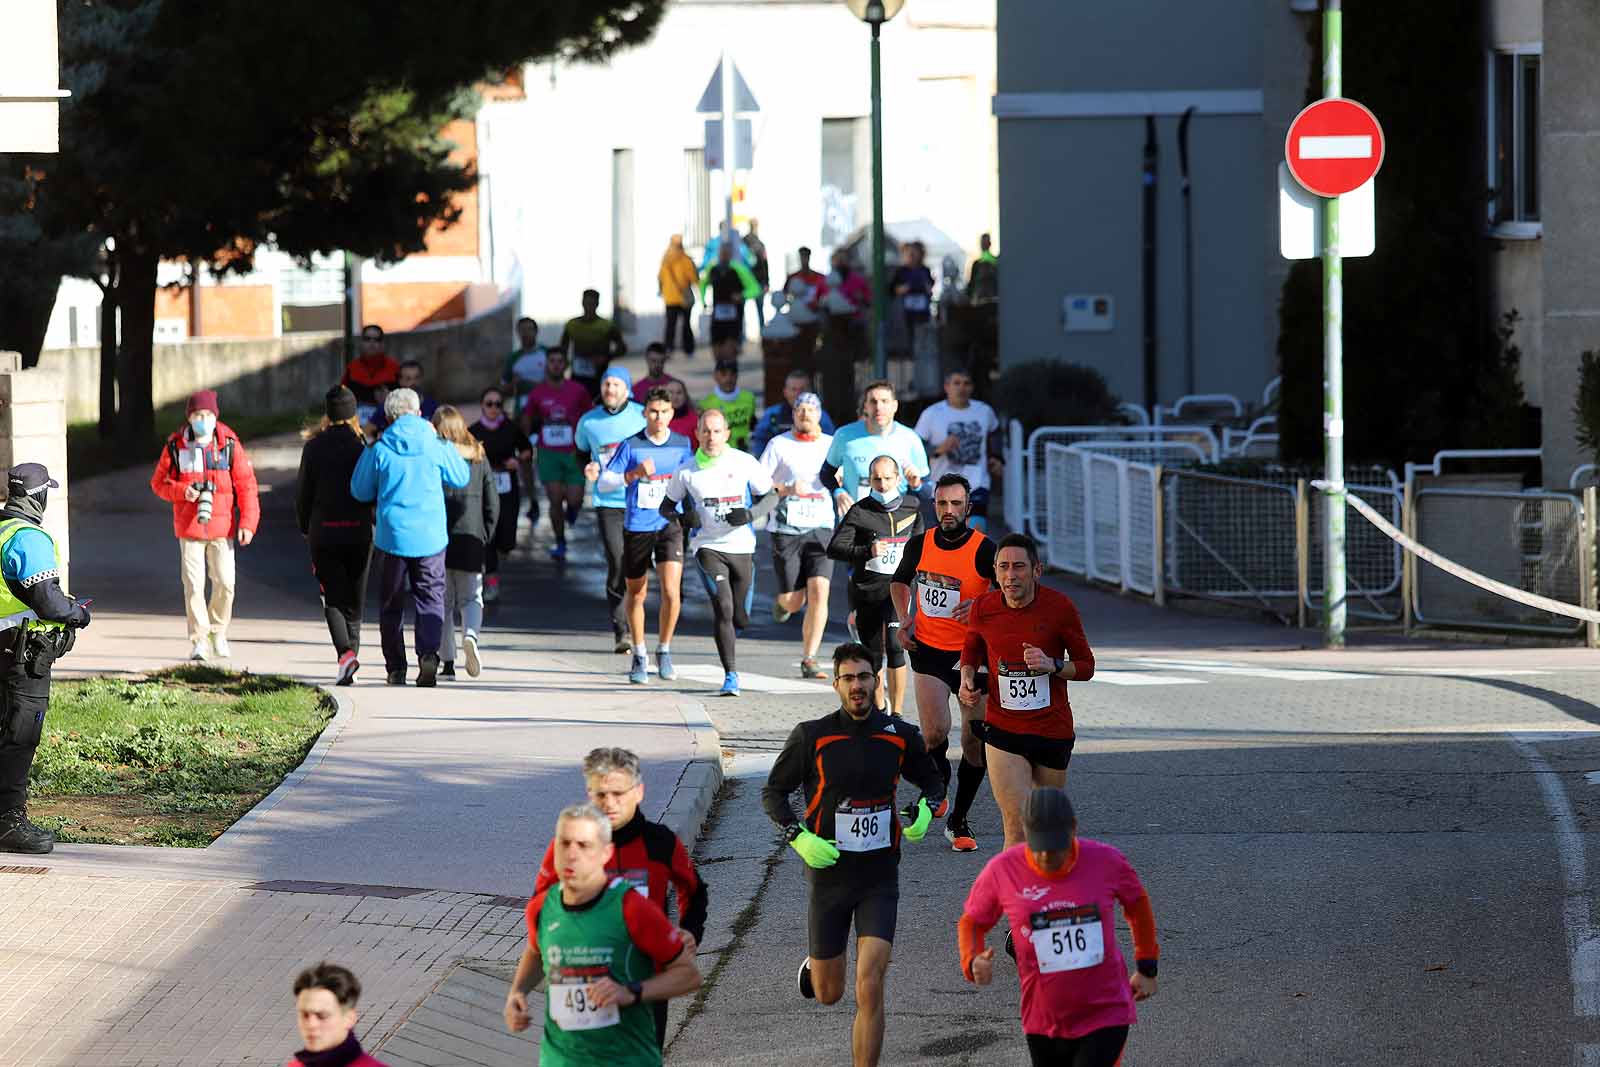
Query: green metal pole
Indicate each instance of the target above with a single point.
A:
(880, 355)
(1333, 605)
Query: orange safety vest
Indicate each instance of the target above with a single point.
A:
(945, 578)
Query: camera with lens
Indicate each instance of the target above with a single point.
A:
(204, 501)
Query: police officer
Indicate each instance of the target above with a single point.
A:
(38, 623)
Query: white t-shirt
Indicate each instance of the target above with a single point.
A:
(530, 368)
(790, 460)
(731, 482)
(972, 426)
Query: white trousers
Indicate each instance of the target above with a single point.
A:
(463, 592)
(199, 558)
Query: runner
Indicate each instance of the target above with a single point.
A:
(779, 418)
(872, 537)
(952, 565)
(607, 951)
(645, 463)
(599, 433)
(593, 343)
(1032, 639)
(722, 493)
(875, 434)
(849, 763)
(739, 405)
(685, 417)
(802, 526)
(554, 407)
(1062, 891)
(647, 855)
(958, 431)
(524, 369)
(655, 367)
(507, 446)
(724, 287)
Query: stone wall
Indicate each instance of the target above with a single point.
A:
(33, 429)
(292, 373)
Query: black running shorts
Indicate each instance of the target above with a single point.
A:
(642, 550)
(1051, 752)
(871, 903)
(945, 666)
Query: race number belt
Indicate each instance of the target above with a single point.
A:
(887, 561)
(939, 595)
(1067, 938)
(1022, 689)
(571, 1008)
(556, 435)
(651, 491)
(862, 827)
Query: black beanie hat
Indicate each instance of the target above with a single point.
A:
(341, 404)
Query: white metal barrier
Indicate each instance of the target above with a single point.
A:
(1035, 512)
(1205, 401)
(1103, 516)
(1437, 466)
(1583, 475)
(1016, 477)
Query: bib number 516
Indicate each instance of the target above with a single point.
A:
(1065, 941)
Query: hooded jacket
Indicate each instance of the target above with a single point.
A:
(224, 464)
(324, 509)
(868, 521)
(406, 472)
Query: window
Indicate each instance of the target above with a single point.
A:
(696, 199)
(1514, 139)
(846, 178)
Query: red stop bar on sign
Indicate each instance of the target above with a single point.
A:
(1334, 146)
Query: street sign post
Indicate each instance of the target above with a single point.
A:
(1334, 147)
(728, 141)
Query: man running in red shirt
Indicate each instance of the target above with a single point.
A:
(1033, 642)
(1061, 891)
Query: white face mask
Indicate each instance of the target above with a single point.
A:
(202, 425)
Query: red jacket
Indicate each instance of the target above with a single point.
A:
(223, 462)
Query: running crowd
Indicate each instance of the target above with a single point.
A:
(936, 608)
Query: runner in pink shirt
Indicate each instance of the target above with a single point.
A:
(550, 418)
(1061, 892)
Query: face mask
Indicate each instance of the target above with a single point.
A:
(885, 499)
(202, 425)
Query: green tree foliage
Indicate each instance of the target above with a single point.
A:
(1424, 366)
(1586, 406)
(206, 129)
(1049, 393)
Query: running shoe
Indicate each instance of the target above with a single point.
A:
(641, 671)
(201, 650)
(447, 670)
(809, 669)
(491, 589)
(219, 645)
(558, 551)
(780, 613)
(1011, 946)
(623, 644)
(960, 835)
(664, 665)
(396, 678)
(804, 977)
(909, 812)
(469, 646)
(850, 625)
(730, 684)
(348, 665)
(428, 672)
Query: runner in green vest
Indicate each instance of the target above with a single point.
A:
(607, 950)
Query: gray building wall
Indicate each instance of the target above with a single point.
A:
(1070, 184)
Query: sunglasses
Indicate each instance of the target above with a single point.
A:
(491, 404)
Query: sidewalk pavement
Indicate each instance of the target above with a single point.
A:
(407, 842)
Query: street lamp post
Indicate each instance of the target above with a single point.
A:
(875, 13)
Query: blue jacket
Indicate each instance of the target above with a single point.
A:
(406, 472)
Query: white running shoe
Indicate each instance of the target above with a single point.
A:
(201, 650)
(219, 645)
(469, 647)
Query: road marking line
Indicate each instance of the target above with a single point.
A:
(1278, 674)
(1118, 677)
(1583, 950)
(1351, 146)
(1463, 672)
(761, 683)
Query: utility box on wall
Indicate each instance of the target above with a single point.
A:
(1088, 313)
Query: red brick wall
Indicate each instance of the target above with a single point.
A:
(460, 239)
(236, 311)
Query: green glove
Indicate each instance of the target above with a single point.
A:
(814, 850)
(919, 828)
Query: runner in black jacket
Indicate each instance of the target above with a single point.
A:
(848, 764)
(872, 537)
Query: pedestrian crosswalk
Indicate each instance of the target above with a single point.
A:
(749, 681)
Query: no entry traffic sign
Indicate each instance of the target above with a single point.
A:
(1334, 146)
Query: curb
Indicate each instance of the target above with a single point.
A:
(690, 803)
(319, 751)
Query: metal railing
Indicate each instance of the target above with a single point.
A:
(1105, 517)
(1232, 539)
(1035, 515)
(1225, 405)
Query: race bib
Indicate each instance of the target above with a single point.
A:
(650, 492)
(808, 512)
(502, 482)
(1022, 690)
(887, 561)
(939, 595)
(719, 506)
(1067, 939)
(725, 312)
(862, 828)
(556, 435)
(571, 1009)
(366, 412)
(916, 301)
(582, 367)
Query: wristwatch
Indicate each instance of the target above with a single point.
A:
(792, 831)
(1061, 664)
(637, 989)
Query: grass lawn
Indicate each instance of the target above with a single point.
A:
(173, 758)
(89, 454)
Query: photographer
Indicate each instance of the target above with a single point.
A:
(205, 474)
(38, 623)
